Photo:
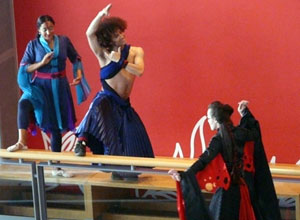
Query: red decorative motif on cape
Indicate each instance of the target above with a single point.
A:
(215, 175)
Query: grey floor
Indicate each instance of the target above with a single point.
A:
(6, 217)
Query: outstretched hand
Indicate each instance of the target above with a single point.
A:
(105, 10)
(242, 105)
(114, 55)
(175, 175)
(77, 80)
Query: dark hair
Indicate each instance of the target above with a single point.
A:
(42, 19)
(107, 29)
(222, 113)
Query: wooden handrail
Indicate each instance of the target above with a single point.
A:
(161, 162)
(44, 155)
(283, 169)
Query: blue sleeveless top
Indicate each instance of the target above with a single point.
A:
(110, 70)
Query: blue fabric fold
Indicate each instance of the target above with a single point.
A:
(54, 82)
(82, 89)
(110, 70)
(31, 92)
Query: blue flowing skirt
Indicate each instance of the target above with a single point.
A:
(113, 127)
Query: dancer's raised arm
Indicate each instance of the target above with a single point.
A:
(92, 29)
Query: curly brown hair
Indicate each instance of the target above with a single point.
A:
(107, 29)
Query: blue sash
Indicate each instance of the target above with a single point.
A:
(55, 81)
(113, 68)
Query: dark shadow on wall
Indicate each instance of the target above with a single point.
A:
(9, 92)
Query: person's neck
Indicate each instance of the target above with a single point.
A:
(51, 43)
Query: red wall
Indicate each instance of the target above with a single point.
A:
(196, 51)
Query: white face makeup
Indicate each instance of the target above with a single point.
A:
(213, 124)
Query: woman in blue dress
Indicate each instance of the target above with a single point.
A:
(46, 90)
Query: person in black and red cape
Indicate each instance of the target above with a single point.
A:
(244, 189)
